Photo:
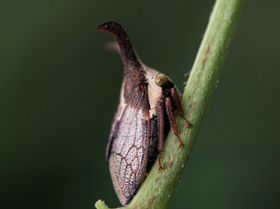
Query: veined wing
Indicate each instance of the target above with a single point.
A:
(129, 150)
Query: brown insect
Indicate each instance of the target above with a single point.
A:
(148, 103)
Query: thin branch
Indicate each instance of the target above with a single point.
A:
(159, 185)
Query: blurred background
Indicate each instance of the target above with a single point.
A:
(59, 90)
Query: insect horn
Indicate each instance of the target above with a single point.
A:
(126, 49)
(133, 69)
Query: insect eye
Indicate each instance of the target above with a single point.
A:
(161, 79)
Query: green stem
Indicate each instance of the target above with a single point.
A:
(159, 185)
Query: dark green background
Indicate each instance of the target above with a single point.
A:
(59, 89)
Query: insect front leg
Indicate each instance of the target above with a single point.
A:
(160, 126)
(177, 103)
(169, 106)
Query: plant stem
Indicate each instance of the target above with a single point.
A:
(159, 185)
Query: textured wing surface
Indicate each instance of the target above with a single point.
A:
(128, 157)
(113, 133)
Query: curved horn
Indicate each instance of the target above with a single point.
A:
(119, 33)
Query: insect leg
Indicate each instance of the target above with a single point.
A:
(160, 125)
(171, 116)
(177, 103)
(153, 147)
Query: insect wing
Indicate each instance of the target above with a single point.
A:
(113, 134)
(129, 153)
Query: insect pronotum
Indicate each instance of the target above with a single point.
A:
(148, 103)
